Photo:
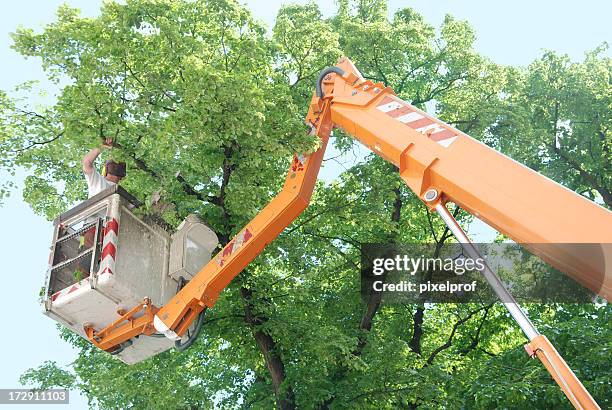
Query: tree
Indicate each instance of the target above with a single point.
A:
(556, 120)
(207, 110)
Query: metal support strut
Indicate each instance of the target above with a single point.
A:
(539, 345)
(498, 287)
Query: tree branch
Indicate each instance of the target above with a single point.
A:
(33, 144)
(606, 194)
(449, 341)
(476, 337)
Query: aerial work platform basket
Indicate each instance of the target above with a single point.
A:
(105, 260)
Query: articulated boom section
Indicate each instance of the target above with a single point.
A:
(174, 318)
(203, 290)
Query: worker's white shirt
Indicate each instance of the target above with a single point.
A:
(96, 183)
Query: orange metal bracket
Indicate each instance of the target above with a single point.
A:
(124, 328)
(576, 393)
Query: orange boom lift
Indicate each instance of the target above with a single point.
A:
(440, 164)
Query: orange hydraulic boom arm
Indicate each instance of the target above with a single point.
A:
(440, 164)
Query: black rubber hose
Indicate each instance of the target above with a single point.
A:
(117, 350)
(183, 346)
(322, 75)
(122, 347)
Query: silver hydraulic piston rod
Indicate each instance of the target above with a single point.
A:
(498, 287)
(539, 346)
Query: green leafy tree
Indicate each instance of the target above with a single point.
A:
(207, 109)
(556, 120)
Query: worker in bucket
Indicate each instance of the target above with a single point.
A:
(112, 173)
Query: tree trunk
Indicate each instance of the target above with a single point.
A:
(285, 398)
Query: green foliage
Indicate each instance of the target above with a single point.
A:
(556, 119)
(207, 109)
(48, 375)
(586, 350)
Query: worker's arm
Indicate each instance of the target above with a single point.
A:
(90, 158)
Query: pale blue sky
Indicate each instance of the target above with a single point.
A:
(509, 32)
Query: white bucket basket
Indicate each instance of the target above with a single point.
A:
(104, 260)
